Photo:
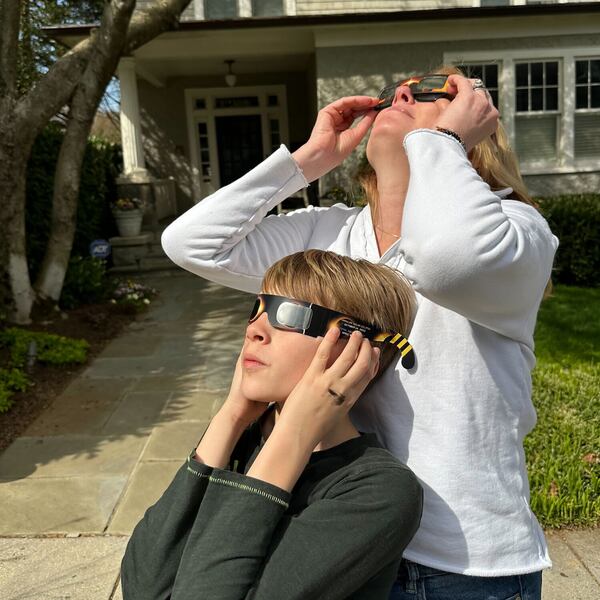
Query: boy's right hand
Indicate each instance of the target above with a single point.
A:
(333, 138)
(239, 407)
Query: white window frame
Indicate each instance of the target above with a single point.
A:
(477, 3)
(566, 162)
(203, 187)
(244, 8)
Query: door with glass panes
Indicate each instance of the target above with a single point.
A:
(235, 129)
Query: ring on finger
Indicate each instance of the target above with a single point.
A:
(337, 398)
(478, 85)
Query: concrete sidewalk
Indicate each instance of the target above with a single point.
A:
(74, 485)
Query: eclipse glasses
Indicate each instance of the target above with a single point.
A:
(424, 88)
(289, 314)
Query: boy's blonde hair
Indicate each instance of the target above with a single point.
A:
(373, 293)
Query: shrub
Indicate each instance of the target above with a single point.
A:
(85, 282)
(575, 220)
(50, 348)
(11, 381)
(101, 165)
(132, 297)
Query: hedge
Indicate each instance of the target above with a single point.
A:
(101, 164)
(575, 220)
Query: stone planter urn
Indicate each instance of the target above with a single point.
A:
(129, 222)
(128, 213)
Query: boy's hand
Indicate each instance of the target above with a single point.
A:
(237, 405)
(325, 394)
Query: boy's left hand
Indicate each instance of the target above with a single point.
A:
(326, 393)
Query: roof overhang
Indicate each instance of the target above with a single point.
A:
(287, 43)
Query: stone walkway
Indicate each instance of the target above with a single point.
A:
(74, 485)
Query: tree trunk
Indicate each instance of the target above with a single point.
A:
(111, 39)
(15, 292)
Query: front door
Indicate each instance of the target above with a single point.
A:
(240, 145)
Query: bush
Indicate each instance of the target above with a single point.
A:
(11, 381)
(132, 297)
(50, 348)
(575, 220)
(85, 282)
(101, 165)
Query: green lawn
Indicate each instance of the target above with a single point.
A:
(563, 451)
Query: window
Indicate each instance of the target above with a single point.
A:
(537, 113)
(220, 9)
(587, 108)
(267, 8)
(487, 73)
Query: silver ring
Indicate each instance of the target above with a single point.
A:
(478, 85)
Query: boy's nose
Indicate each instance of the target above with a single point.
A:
(259, 330)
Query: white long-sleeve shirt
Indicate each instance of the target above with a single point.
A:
(479, 263)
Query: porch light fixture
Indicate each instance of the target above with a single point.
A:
(230, 78)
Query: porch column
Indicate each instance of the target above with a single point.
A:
(134, 165)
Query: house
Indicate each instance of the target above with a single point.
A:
(204, 104)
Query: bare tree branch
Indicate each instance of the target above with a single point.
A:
(162, 15)
(10, 12)
(53, 90)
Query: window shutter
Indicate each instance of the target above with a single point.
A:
(587, 135)
(536, 137)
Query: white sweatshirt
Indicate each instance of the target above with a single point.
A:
(479, 263)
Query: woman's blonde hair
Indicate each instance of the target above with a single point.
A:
(492, 158)
(373, 293)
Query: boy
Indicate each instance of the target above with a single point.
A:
(283, 498)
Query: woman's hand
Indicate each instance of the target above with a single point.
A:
(332, 138)
(471, 114)
(237, 405)
(325, 394)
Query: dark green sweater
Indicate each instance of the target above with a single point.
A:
(217, 534)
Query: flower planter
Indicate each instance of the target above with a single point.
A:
(129, 222)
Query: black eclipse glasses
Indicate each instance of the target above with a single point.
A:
(289, 314)
(424, 88)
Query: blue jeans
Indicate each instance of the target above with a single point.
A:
(416, 582)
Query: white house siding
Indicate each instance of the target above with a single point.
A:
(322, 7)
(187, 15)
(344, 71)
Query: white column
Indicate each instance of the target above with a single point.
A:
(134, 165)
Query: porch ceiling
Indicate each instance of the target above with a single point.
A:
(254, 50)
(163, 68)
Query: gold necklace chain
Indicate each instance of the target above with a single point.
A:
(387, 232)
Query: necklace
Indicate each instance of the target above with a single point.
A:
(387, 232)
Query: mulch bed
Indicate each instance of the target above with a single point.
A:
(97, 324)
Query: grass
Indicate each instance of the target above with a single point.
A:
(563, 451)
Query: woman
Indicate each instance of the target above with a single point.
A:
(447, 207)
(300, 505)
